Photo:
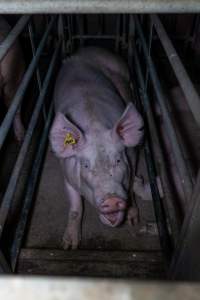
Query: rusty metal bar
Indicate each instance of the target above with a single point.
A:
(12, 36)
(181, 164)
(7, 122)
(184, 80)
(99, 6)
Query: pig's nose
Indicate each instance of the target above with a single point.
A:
(112, 204)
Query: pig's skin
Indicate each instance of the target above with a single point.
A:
(11, 72)
(90, 95)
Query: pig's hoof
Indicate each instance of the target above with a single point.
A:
(70, 240)
(133, 216)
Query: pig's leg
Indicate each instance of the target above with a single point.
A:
(18, 127)
(72, 233)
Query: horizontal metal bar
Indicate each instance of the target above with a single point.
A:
(184, 80)
(12, 36)
(181, 164)
(7, 122)
(99, 6)
(101, 37)
(16, 245)
(8, 197)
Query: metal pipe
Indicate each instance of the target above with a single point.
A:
(104, 37)
(160, 215)
(171, 211)
(184, 80)
(98, 6)
(16, 245)
(9, 194)
(7, 122)
(181, 164)
(12, 36)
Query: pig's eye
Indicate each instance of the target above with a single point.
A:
(118, 161)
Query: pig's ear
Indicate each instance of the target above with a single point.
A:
(65, 138)
(130, 127)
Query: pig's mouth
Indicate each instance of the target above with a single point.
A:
(112, 219)
(112, 210)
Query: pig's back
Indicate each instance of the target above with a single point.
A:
(86, 96)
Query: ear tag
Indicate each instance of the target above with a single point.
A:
(69, 140)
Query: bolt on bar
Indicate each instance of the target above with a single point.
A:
(181, 164)
(184, 80)
(7, 122)
(8, 197)
(12, 36)
(36, 165)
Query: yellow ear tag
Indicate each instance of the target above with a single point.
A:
(69, 139)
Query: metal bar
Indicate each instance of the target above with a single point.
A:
(98, 6)
(185, 263)
(184, 80)
(160, 215)
(8, 197)
(171, 211)
(12, 36)
(117, 37)
(7, 122)
(104, 37)
(16, 245)
(181, 164)
(4, 267)
(30, 29)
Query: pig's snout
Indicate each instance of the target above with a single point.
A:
(112, 211)
(112, 204)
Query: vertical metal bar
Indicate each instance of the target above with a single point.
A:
(12, 36)
(8, 197)
(149, 54)
(81, 29)
(183, 171)
(186, 84)
(7, 122)
(185, 263)
(4, 267)
(15, 249)
(168, 196)
(61, 34)
(30, 29)
(118, 26)
(165, 239)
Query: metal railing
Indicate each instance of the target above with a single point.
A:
(24, 23)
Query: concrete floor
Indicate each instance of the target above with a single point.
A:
(49, 219)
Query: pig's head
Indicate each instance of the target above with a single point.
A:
(95, 162)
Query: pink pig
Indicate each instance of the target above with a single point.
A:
(95, 130)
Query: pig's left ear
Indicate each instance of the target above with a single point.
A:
(65, 137)
(130, 127)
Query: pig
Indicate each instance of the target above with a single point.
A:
(12, 68)
(94, 134)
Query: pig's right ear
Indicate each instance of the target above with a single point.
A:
(65, 138)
